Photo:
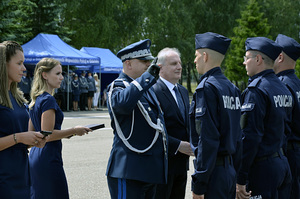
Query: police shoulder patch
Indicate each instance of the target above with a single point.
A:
(200, 111)
(247, 107)
(255, 82)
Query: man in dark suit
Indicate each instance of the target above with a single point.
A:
(138, 159)
(175, 107)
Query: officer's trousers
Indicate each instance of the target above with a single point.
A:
(270, 178)
(130, 189)
(222, 183)
(293, 155)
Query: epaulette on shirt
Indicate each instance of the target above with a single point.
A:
(202, 83)
(119, 83)
(255, 82)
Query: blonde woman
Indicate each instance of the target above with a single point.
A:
(46, 165)
(14, 137)
(97, 93)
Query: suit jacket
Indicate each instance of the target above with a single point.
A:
(177, 128)
(151, 166)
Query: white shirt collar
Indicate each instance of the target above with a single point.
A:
(170, 87)
(168, 84)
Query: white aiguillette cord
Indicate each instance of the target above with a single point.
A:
(158, 127)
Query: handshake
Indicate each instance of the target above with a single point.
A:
(154, 69)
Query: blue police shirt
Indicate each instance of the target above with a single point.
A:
(215, 129)
(289, 78)
(83, 84)
(266, 108)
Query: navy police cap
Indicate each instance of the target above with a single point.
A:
(138, 50)
(264, 45)
(212, 41)
(290, 46)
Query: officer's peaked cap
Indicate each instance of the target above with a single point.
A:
(290, 46)
(138, 50)
(264, 45)
(212, 41)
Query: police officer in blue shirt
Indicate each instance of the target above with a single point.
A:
(284, 68)
(138, 159)
(266, 107)
(214, 116)
(83, 84)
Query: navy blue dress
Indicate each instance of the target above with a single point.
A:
(14, 166)
(46, 165)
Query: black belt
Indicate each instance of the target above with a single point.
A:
(274, 155)
(293, 145)
(221, 160)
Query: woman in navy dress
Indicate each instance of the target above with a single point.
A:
(46, 165)
(14, 137)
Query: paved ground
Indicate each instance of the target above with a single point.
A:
(85, 158)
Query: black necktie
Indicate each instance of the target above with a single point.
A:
(179, 102)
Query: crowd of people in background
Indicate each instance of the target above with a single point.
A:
(76, 93)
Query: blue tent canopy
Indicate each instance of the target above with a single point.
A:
(110, 63)
(47, 45)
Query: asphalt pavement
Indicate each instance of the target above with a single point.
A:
(85, 158)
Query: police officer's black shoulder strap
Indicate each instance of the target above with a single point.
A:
(119, 83)
(255, 82)
(202, 83)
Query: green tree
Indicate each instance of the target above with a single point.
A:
(297, 69)
(109, 24)
(216, 15)
(161, 25)
(15, 20)
(283, 16)
(47, 18)
(251, 24)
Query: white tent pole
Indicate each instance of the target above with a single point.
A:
(68, 90)
(100, 78)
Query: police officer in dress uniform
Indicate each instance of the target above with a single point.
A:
(174, 101)
(266, 107)
(138, 159)
(69, 92)
(284, 68)
(214, 116)
(83, 84)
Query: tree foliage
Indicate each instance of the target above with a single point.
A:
(168, 23)
(251, 24)
(15, 20)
